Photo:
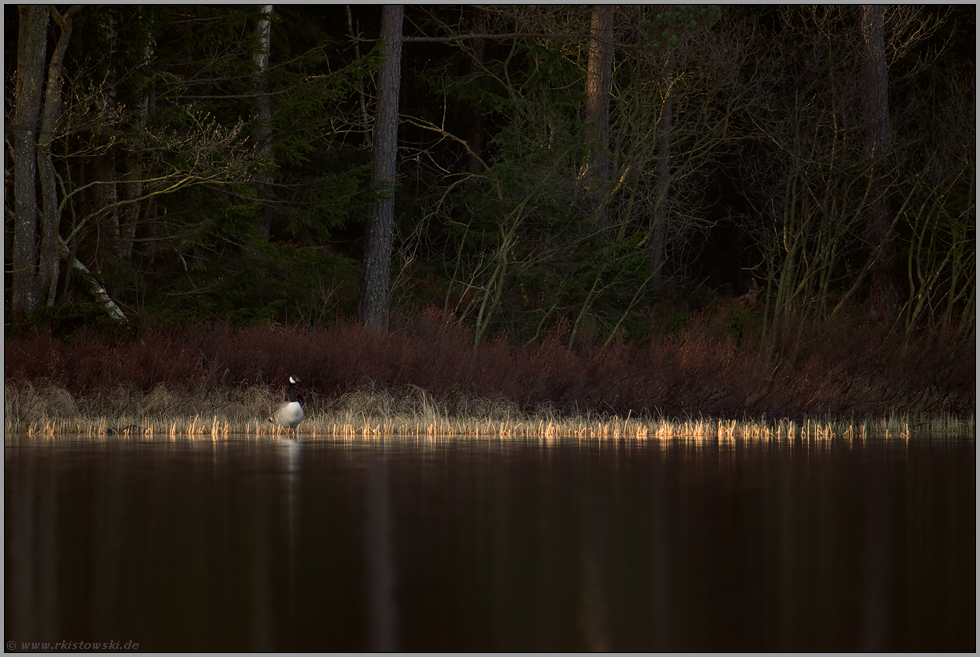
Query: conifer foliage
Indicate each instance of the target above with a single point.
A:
(609, 170)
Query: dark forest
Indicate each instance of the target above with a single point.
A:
(762, 208)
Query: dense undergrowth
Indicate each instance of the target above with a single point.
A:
(847, 369)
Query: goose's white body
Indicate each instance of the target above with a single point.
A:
(289, 414)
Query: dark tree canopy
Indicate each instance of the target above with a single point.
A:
(550, 166)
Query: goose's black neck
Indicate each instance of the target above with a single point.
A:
(292, 391)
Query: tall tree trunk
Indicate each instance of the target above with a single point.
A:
(132, 191)
(598, 84)
(107, 192)
(133, 178)
(376, 269)
(474, 136)
(874, 75)
(263, 120)
(31, 55)
(658, 237)
(50, 249)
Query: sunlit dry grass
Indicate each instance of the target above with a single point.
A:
(370, 412)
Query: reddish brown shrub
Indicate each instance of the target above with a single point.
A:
(843, 369)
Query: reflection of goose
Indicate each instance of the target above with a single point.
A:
(289, 414)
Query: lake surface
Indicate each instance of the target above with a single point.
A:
(491, 545)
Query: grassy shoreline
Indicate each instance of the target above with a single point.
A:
(902, 428)
(426, 377)
(369, 412)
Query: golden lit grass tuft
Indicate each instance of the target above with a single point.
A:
(31, 404)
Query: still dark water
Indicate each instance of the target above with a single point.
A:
(463, 544)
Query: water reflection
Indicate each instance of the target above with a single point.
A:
(594, 585)
(445, 544)
(381, 565)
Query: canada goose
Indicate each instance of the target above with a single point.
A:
(289, 414)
